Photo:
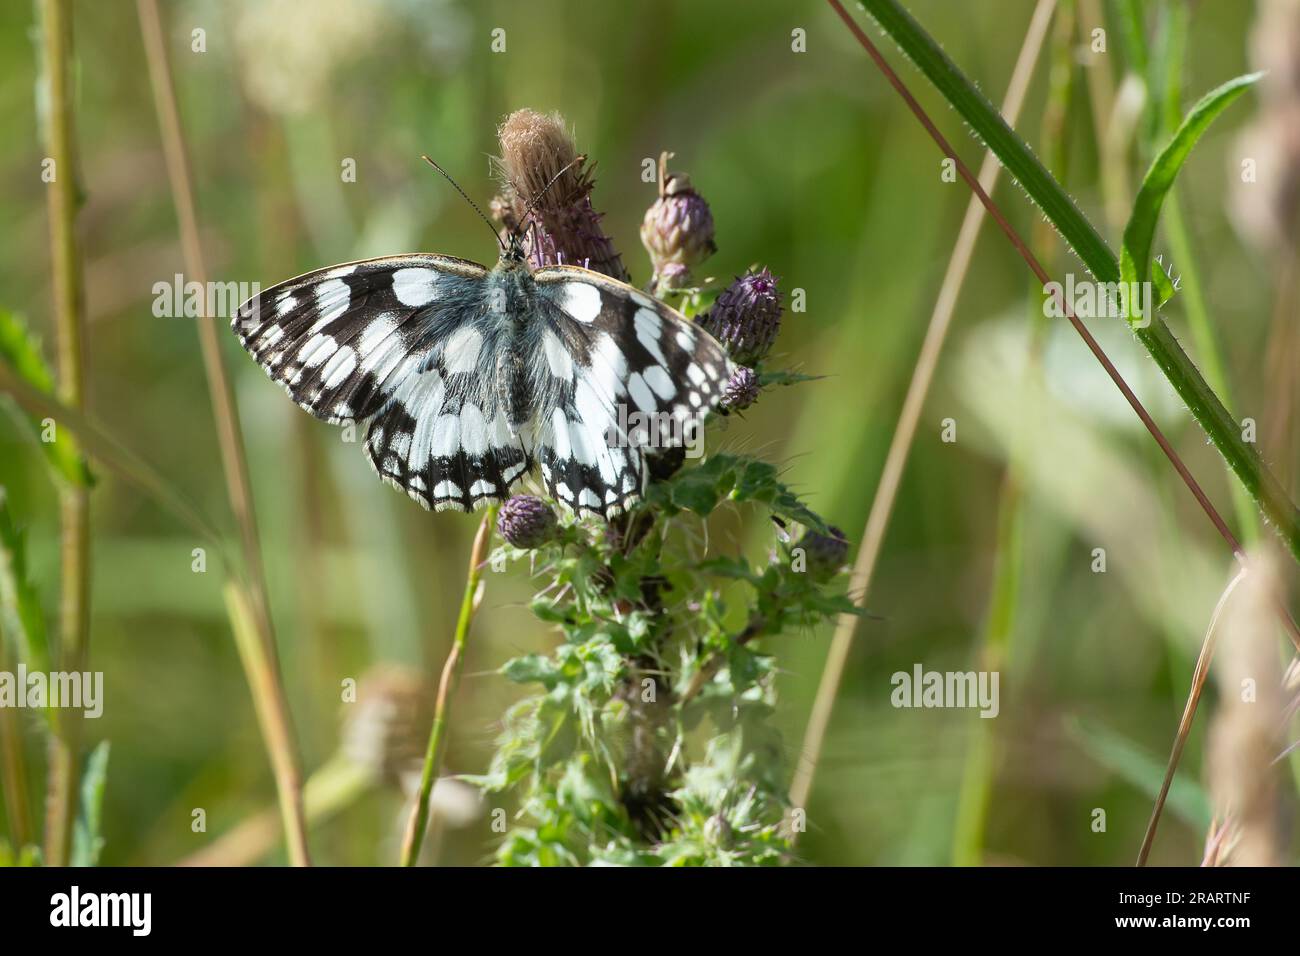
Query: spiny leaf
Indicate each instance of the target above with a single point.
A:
(20, 610)
(1135, 257)
(19, 348)
(87, 839)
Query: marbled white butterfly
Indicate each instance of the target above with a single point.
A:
(470, 376)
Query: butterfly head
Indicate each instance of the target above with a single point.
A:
(512, 251)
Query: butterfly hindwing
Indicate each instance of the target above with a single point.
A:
(640, 378)
(445, 445)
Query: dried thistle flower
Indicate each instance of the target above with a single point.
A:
(677, 230)
(526, 522)
(747, 317)
(563, 227)
(741, 389)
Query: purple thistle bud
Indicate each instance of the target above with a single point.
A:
(526, 522)
(677, 230)
(741, 389)
(826, 553)
(746, 317)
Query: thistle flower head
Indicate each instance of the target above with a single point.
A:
(746, 317)
(826, 553)
(558, 223)
(678, 228)
(741, 389)
(526, 522)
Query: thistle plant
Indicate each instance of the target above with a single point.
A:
(647, 736)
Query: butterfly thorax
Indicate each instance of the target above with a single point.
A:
(511, 300)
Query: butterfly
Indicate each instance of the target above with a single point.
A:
(471, 378)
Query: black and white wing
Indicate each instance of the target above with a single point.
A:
(632, 377)
(404, 341)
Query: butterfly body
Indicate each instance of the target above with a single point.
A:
(470, 378)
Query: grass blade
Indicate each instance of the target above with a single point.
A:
(1135, 257)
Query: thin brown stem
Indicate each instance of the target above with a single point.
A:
(69, 328)
(262, 668)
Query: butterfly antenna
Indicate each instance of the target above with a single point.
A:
(554, 179)
(495, 235)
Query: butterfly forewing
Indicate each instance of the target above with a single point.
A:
(340, 340)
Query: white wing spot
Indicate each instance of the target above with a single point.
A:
(446, 489)
(648, 329)
(481, 487)
(685, 339)
(415, 287)
(332, 298)
(473, 431)
(641, 394)
(317, 350)
(339, 367)
(557, 356)
(580, 300)
(657, 378)
(461, 352)
(695, 374)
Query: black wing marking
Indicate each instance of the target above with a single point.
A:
(643, 378)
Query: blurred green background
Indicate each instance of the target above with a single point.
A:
(812, 167)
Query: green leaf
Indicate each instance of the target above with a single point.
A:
(529, 669)
(19, 348)
(86, 834)
(20, 609)
(1187, 800)
(1135, 258)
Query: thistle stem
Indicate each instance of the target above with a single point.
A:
(419, 819)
